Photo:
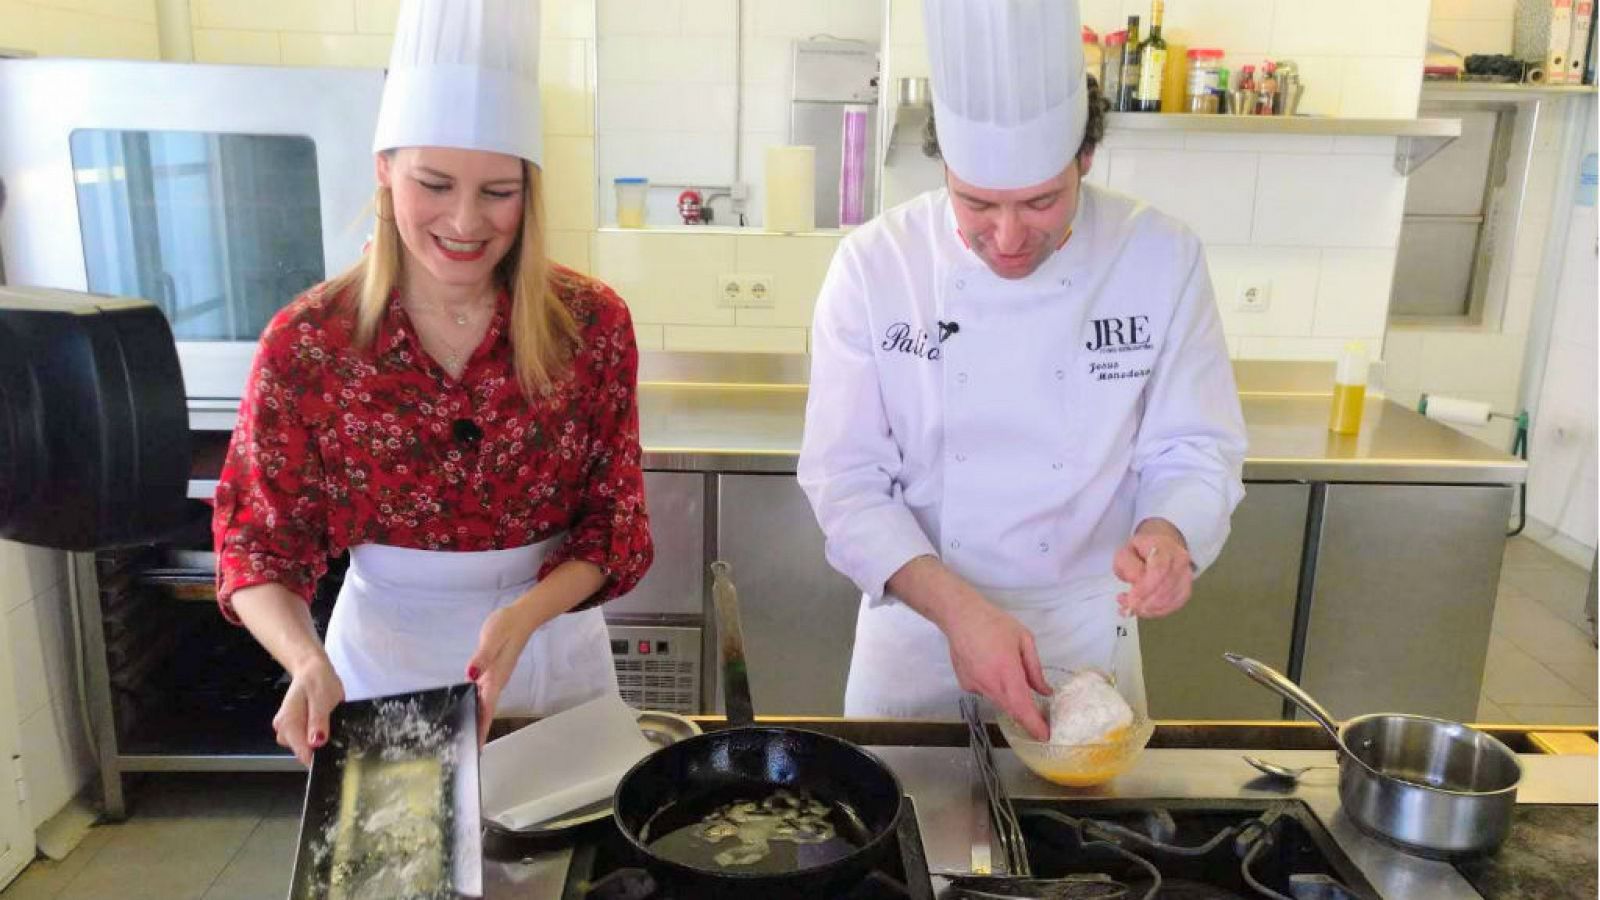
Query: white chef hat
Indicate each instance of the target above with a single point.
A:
(464, 73)
(1009, 95)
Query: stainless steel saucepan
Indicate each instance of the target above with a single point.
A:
(1432, 787)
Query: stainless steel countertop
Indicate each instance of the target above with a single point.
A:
(757, 428)
(940, 780)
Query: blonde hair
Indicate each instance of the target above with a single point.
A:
(543, 332)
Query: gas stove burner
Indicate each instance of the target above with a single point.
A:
(999, 887)
(1228, 850)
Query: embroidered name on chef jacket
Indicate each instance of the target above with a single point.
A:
(1124, 334)
(902, 338)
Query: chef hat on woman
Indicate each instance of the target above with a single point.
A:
(464, 74)
(1009, 91)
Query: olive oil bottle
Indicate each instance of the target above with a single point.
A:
(1152, 63)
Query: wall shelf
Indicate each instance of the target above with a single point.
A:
(1418, 139)
(1544, 91)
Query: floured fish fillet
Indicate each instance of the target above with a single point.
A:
(1087, 709)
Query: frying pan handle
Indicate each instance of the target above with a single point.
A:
(735, 675)
(1274, 680)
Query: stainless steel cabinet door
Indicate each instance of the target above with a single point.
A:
(1245, 603)
(799, 615)
(1406, 582)
(673, 586)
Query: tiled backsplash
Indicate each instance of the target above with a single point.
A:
(1473, 26)
(1317, 216)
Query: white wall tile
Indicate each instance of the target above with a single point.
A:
(1226, 24)
(568, 19)
(1259, 143)
(1372, 27)
(377, 16)
(240, 48)
(649, 337)
(1469, 362)
(1142, 140)
(1381, 87)
(797, 265)
(1469, 36)
(686, 59)
(859, 20)
(1402, 357)
(1365, 145)
(1217, 206)
(769, 61)
(143, 11)
(766, 109)
(569, 248)
(1292, 275)
(63, 32)
(569, 182)
(701, 339)
(1323, 78)
(667, 278)
(787, 19)
(566, 90)
(314, 16)
(905, 22)
(1353, 293)
(1504, 10)
(640, 17)
(1328, 201)
(1301, 349)
(709, 18)
(29, 678)
(359, 50)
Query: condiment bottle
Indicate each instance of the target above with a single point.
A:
(1349, 389)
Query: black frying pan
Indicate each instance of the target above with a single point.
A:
(690, 778)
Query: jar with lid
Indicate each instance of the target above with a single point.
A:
(1204, 86)
(1111, 85)
(1093, 56)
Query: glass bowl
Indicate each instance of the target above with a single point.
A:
(1077, 765)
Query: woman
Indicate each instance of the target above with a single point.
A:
(455, 410)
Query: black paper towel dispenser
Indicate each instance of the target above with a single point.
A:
(94, 425)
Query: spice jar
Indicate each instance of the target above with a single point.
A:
(1204, 89)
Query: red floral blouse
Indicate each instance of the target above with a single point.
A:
(336, 447)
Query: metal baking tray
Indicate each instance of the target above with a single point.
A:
(392, 807)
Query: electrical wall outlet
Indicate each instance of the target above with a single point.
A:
(730, 291)
(745, 291)
(1254, 295)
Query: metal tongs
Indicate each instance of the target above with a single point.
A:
(1002, 815)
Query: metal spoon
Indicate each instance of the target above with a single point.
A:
(1275, 770)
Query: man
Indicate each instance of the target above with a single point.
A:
(1023, 430)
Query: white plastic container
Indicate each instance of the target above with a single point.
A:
(631, 194)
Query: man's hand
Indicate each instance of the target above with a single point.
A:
(1155, 564)
(994, 655)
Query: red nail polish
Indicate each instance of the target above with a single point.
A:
(318, 739)
(473, 673)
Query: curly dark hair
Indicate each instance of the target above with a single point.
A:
(1094, 130)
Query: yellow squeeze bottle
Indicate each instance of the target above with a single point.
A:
(1349, 389)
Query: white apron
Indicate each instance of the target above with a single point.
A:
(409, 620)
(900, 668)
